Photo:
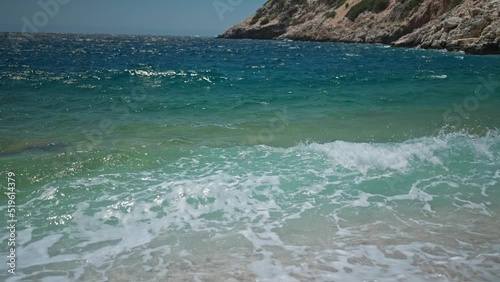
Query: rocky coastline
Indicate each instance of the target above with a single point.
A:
(471, 26)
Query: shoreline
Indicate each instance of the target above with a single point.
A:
(391, 45)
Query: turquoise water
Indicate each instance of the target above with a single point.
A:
(198, 159)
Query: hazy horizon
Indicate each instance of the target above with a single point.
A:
(154, 17)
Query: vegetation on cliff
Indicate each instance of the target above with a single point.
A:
(375, 6)
(469, 25)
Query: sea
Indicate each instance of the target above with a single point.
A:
(156, 158)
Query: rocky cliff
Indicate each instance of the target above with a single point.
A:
(472, 26)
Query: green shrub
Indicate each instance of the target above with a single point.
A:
(280, 3)
(264, 21)
(334, 3)
(330, 2)
(380, 5)
(255, 19)
(339, 3)
(346, 5)
(375, 6)
(454, 3)
(292, 11)
(408, 6)
(331, 14)
(298, 2)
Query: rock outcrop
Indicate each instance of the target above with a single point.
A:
(472, 26)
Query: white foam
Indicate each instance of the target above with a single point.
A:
(150, 73)
(440, 76)
(364, 157)
(362, 200)
(310, 212)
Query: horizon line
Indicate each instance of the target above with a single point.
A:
(96, 33)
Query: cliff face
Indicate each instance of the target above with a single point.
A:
(472, 26)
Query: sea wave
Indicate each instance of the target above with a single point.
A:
(259, 197)
(434, 150)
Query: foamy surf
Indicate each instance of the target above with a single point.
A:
(335, 211)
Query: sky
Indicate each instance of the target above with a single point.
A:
(157, 17)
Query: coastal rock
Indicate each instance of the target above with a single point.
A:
(471, 26)
(451, 23)
(269, 31)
